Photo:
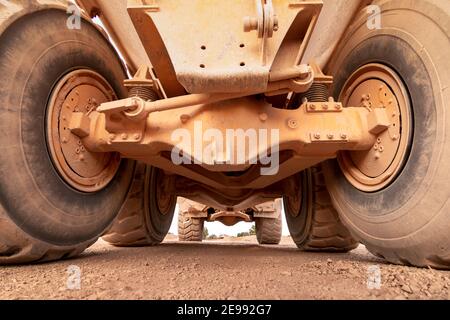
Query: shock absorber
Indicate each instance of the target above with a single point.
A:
(142, 85)
(144, 92)
(319, 92)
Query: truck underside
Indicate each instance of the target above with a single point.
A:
(116, 108)
(231, 126)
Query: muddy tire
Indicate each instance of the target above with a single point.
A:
(143, 221)
(313, 222)
(42, 216)
(268, 231)
(190, 229)
(407, 221)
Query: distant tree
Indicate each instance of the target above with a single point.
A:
(252, 230)
(212, 237)
(205, 233)
(243, 234)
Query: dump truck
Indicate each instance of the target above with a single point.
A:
(110, 110)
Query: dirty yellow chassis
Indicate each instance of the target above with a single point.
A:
(225, 142)
(305, 136)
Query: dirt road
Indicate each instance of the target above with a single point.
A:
(227, 269)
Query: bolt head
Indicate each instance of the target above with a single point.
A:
(317, 135)
(184, 118)
(292, 123)
(330, 136)
(124, 136)
(343, 136)
(263, 116)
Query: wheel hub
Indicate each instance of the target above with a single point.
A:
(377, 86)
(79, 91)
(163, 196)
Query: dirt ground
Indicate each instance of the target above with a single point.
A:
(226, 269)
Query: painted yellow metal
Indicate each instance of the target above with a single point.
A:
(225, 65)
(379, 89)
(75, 96)
(331, 25)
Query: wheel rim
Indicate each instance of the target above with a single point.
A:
(164, 199)
(294, 201)
(373, 86)
(79, 91)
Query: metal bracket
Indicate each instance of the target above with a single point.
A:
(330, 106)
(265, 24)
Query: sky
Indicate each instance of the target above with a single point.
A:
(218, 228)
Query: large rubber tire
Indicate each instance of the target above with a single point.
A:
(408, 221)
(190, 229)
(314, 224)
(268, 230)
(142, 222)
(41, 217)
